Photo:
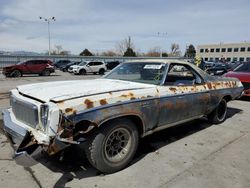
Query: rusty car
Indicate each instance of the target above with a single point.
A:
(110, 114)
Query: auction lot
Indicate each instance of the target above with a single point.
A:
(195, 154)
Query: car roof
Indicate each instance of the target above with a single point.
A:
(166, 61)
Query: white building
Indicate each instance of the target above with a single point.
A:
(228, 52)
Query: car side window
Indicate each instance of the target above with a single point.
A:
(91, 64)
(30, 63)
(182, 75)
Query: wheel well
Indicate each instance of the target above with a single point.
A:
(134, 118)
(227, 98)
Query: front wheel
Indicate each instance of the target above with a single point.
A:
(45, 72)
(101, 71)
(218, 115)
(16, 73)
(82, 72)
(112, 147)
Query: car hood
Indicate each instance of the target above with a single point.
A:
(242, 76)
(65, 90)
(74, 66)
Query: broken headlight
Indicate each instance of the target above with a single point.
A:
(44, 113)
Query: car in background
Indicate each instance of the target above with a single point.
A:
(41, 67)
(112, 64)
(88, 67)
(65, 68)
(242, 72)
(217, 69)
(62, 63)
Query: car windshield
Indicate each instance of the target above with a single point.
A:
(143, 72)
(83, 63)
(244, 67)
(21, 62)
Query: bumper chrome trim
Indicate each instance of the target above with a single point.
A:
(16, 132)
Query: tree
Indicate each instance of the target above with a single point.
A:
(123, 46)
(190, 51)
(129, 53)
(175, 50)
(154, 52)
(86, 52)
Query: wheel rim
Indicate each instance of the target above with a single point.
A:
(117, 145)
(222, 109)
(17, 74)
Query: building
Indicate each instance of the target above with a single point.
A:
(226, 52)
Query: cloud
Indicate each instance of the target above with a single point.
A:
(100, 25)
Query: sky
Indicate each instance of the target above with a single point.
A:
(101, 25)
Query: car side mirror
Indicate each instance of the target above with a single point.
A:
(87, 65)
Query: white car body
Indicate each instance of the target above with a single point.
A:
(88, 67)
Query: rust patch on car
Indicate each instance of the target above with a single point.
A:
(209, 85)
(132, 98)
(68, 110)
(173, 89)
(89, 103)
(103, 102)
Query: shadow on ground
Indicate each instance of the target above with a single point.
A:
(74, 164)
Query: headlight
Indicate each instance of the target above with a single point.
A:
(44, 112)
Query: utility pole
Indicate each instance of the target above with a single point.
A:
(48, 21)
(162, 35)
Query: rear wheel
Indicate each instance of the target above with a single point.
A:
(113, 146)
(101, 71)
(45, 72)
(82, 72)
(16, 73)
(219, 114)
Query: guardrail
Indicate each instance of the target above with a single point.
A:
(6, 60)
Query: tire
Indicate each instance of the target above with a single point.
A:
(82, 72)
(101, 71)
(106, 152)
(16, 73)
(45, 72)
(218, 115)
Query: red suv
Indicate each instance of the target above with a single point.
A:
(41, 67)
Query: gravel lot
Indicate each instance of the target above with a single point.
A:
(195, 154)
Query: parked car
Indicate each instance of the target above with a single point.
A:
(112, 64)
(217, 69)
(88, 67)
(242, 72)
(62, 63)
(65, 68)
(110, 114)
(41, 67)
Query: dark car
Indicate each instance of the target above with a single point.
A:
(41, 67)
(62, 63)
(112, 64)
(242, 72)
(65, 68)
(217, 69)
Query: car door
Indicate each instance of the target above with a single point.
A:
(90, 66)
(183, 95)
(31, 66)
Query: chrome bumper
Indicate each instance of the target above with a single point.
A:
(24, 156)
(16, 132)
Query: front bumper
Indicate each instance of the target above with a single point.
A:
(25, 156)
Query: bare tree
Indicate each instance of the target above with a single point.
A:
(175, 50)
(58, 49)
(109, 53)
(122, 46)
(154, 52)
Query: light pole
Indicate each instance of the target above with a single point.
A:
(162, 35)
(48, 21)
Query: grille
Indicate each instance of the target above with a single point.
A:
(24, 112)
(246, 85)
